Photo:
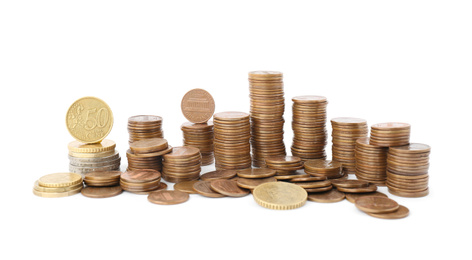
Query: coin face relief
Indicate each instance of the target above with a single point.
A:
(89, 120)
(198, 106)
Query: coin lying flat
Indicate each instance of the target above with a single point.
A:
(101, 192)
(56, 189)
(349, 183)
(280, 195)
(204, 188)
(370, 188)
(401, 212)
(185, 186)
(253, 183)
(89, 120)
(168, 197)
(62, 179)
(254, 173)
(327, 196)
(218, 174)
(229, 188)
(198, 106)
(103, 146)
(57, 194)
(351, 197)
(376, 204)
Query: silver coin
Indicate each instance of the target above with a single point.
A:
(95, 164)
(95, 159)
(93, 169)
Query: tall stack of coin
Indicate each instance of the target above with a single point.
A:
(182, 164)
(267, 110)
(407, 170)
(390, 134)
(147, 154)
(231, 140)
(309, 127)
(201, 137)
(57, 185)
(346, 130)
(101, 156)
(371, 162)
(144, 126)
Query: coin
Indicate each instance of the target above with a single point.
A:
(313, 184)
(200, 136)
(349, 183)
(57, 194)
(144, 126)
(204, 188)
(185, 186)
(280, 195)
(401, 212)
(253, 183)
(351, 197)
(57, 180)
(218, 174)
(252, 173)
(150, 145)
(89, 120)
(168, 197)
(182, 164)
(198, 106)
(103, 146)
(390, 134)
(141, 176)
(101, 192)
(228, 187)
(370, 188)
(376, 204)
(330, 196)
(39, 188)
(319, 189)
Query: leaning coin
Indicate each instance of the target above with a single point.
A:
(204, 188)
(229, 188)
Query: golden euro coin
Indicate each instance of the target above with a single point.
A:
(57, 180)
(89, 120)
(104, 146)
(57, 194)
(280, 195)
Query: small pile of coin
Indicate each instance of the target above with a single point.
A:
(252, 177)
(102, 184)
(324, 168)
(144, 127)
(381, 207)
(101, 156)
(313, 184)
(231, 140)
(182, 164)
(218, 188)
(147, 153)
(407, 170)
(346, 130)
(309, 127)
(200, 136)
(267, 110)
(57, 185)
(354, 186)
(390, 134)
(371, 162)
(284, 165)
(141, 181)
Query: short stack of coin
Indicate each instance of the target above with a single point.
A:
(57, 185)
(284, 165)
(144, 126)
(390, 134)
(140, 181)
(102, 179)
(371, 162)
(309, 127)
(182, 164)
(324, 168)
(101, 156)
(407, 170)
(200, 136)
(267, 110)
(231, 140)
(313, 184)
(346, 130)
(147, 153)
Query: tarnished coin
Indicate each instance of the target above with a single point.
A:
(401, 212)
(252, 173)
(89, 120)
(351, 197)
(185, 186)
(101, 192)
(218, 174)
(62, 179)
(168, 197)
(198, 106)
(229, 188)
(327, 196)
(280, 195)
(376, 204)
(253, 183)
(204, 188)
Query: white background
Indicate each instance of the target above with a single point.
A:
(407, 61)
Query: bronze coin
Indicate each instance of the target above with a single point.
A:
(308, 178)
(282, 159)
(317, 190)
(313, 184)
(198, 106)
(401, 212)
(145, 119)
(218, 174)
(255, 173)
(230, 116)
(168, 197)
(370, 188)
(376, 204)
(101, 192)
(351, 197)
(330, 196)
(349, 183)
(391, 126)
(150, 145)
(228, 187)
(319, 164)
(185, 186)
(182, 152)
(253, 183)
(204, 188)
(103, 176)
(140, 176)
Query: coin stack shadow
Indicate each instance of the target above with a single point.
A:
(407, 170)
(84, 158)
(371, 162)
(144, 126)
(346, 130)
(267, 110)
(309, 127)
(231, 140)
(182, 164)
(200, 136)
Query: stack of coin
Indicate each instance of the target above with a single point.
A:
(200, 136)
(407, 170)
(147, 154)
(313, 184)
(57, 185)
(390, 134)
(144, 126)
(309, 127)
(231, 140)
(324, 168)
(371, 162)
(101, 156)
(346, 130)
(141, 181)
(250, 178)
(182, 164)
(102, 179)
(267, 110)
(284, 165)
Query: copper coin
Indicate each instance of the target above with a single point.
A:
(391, 126)
(402, 193)
(308, 178)
(231, 116)
(218, 174)
(204, 188)
(253, 183)
(313, 184)
(349, 183)
(103, 176)
(309, 99)
(351, 197)
(319, 164)
(101, 192)
(150, 145)
(348, 121)
(320, 189)
(401, 212)
(140, 176)
(185, 186)
(198, 106)
(376, 204)
(327, 196)
(168, 197)
(370, 188)
(255, 173)
(229, 188)
(182, 152)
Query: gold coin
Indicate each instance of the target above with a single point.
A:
(56, 194)
(89, 120)
(104, 146)
(56, 189)
(280, 195)
(63, 179)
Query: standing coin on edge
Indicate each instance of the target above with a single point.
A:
(198, 106)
